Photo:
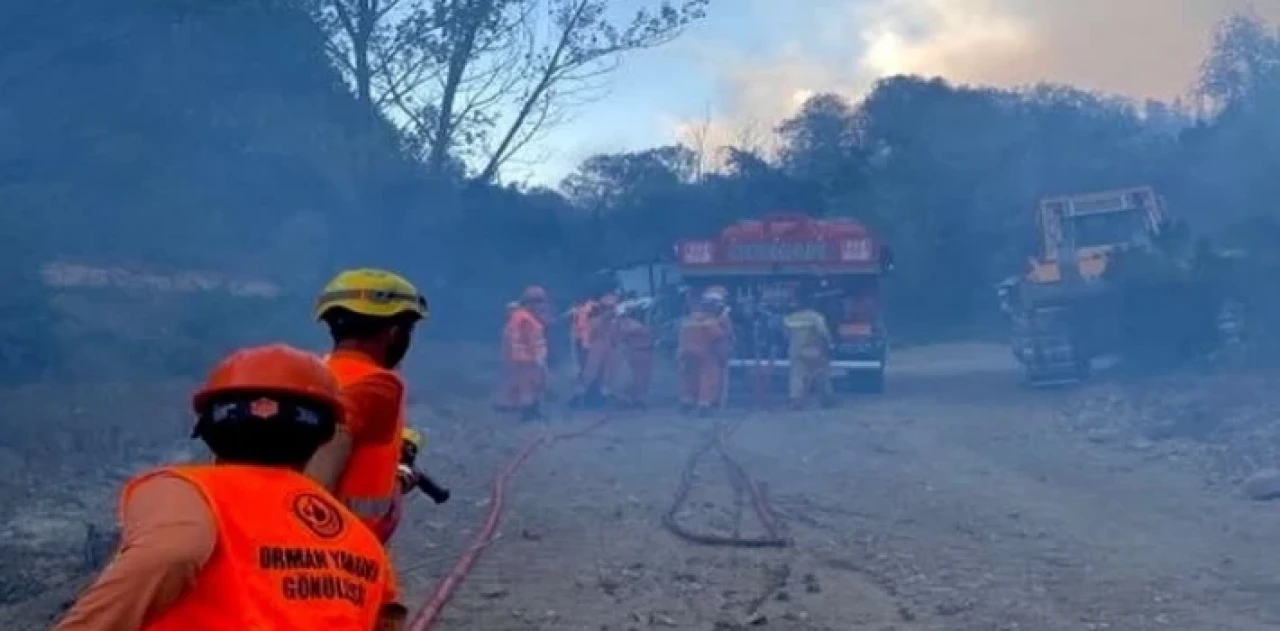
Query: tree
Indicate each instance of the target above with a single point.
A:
(822, 145)
(581, 46)
(1244, 58)
(482, 79)
(636, 203)
(606, 183)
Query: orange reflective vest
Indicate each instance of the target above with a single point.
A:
(287, 556)
(524, 339)
(368, 483)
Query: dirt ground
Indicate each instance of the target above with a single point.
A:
(956, 501)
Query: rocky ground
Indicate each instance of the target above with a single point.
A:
(955, 501)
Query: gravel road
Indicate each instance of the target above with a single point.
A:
(956, 501)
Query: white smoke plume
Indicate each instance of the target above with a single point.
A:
(1138, 48)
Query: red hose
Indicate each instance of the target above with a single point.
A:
(444, 590)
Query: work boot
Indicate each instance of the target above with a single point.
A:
(531, 413)
(704, 411)
(686, 408)
(796, 405)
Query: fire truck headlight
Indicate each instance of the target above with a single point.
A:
(855, 250)
(697, 252)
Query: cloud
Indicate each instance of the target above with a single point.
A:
(1139, 48)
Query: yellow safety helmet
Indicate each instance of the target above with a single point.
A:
(371, 292)
(413, 437)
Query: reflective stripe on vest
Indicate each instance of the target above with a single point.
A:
(369, 508)
(288, 556)
(521, 347)
(368, 483)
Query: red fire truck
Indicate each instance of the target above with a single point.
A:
(764, 263)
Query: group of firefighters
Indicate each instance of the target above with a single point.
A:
(286, 528)
(612, 344)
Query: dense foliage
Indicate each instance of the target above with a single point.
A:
(950, 175)
(175, 135)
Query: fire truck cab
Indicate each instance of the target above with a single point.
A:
(765, 264)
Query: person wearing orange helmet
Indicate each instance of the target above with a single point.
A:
(634, 349)
(371, 315)
(580, 330)
(524, 351)
(593, 383)
(249, 541)
(703, 346)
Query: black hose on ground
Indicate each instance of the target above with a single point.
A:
(716, 439)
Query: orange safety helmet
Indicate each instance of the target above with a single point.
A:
(271, 369)
(609, 301)
(534, 293)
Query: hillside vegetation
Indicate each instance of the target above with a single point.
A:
(229, 138)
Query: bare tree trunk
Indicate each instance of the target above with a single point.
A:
(473, 17)
(359, 28)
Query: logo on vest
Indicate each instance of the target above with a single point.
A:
(264, 408)
(321, 573)
(319, 515)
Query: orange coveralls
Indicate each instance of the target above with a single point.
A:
(581, 332)
(702, 351)
(601, 339)
(524, 350)
(635, 349)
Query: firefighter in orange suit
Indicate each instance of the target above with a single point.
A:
(371, 315)
(524, 351)
(248, 542)
(702, 353)
(593, 383)
(580, 328)
(635, 350)
(507, 394)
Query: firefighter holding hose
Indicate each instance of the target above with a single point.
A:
(245, 542)
(593, 388)
(371, 315)
(704, 344)
(635, 351)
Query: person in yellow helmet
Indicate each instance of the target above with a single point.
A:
(371, 315)
(410, 476)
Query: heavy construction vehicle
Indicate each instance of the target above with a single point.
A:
(764, 263)
(1114, 274)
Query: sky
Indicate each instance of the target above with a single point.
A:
(751, 63)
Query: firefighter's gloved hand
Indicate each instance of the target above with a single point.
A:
(407, 478)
